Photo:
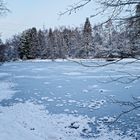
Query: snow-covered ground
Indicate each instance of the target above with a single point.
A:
(28, 121)
(64, 101)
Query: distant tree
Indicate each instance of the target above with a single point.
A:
(42, 44)
(87, 46)
(29, 44)
(98, 40)
(52, 48)
(24, 48)
(60, 43)
(75, 39)
(134, 32)
(2, 51)
(76, 43)
(67, 43)
(14, 43)
(34, 45)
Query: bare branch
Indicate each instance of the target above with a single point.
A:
(96, 65)
(120, 3)
(134, 105)
(125, 112)
(75, 7)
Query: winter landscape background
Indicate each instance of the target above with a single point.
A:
(71, 82)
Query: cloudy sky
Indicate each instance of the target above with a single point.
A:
(38, 13)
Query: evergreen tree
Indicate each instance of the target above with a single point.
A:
(42, 44)
(87, 47)
(34, 49)
(2, 51)
(60, 43)
(25, 45)
(29, 44)
(51, 45)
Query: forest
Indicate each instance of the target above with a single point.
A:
(106, 40)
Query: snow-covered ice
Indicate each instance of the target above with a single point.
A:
(30, 121)
(6, 91)
(61, 100)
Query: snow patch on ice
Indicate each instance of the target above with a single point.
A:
(2, 74)
(72, 101)
(31, 77)
(107, 119)
(92, 105)
(59, 86)
(6, 91)
(128, 87)
(85, 91)
(73, 73)
(93, 86)
(59, 105)
(46, 83)
(45, 98)
(38, 69)
(50, 100)
(66, 110)
(68, 95)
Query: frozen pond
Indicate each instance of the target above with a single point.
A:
(70, 89)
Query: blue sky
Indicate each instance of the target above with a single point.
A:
(38, 13)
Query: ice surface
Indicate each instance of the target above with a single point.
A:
(61, 100)
(6, 91)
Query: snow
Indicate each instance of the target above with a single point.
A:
(31, 121)
(92, 105)
(59, 105)
(81, 60)
(73, 73)
(59, 86)
(2, 74)
(46, 83)
(6, 91)
(44, 98)
(85, 91)
(72, 101)
(50, 100)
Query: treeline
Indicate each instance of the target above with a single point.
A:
(100, 41)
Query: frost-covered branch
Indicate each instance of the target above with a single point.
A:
(74, 7)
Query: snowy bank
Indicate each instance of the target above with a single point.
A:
(28, 121)
(96, 60)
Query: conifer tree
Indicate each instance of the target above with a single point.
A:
(51, 45)
(42, 44)
(87, 48)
